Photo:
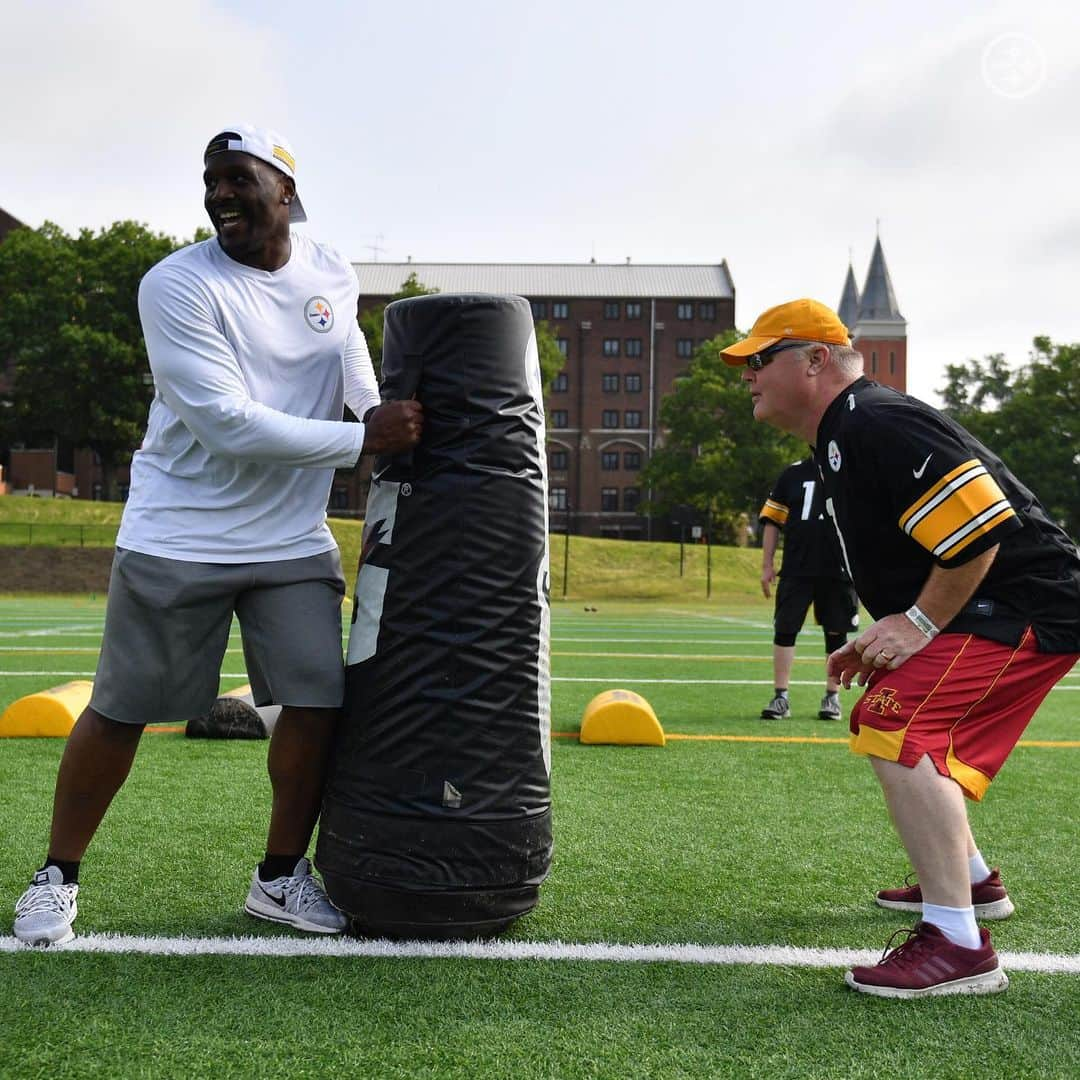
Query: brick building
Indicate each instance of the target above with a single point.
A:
(627, 331)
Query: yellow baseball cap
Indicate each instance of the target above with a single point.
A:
(802, 320)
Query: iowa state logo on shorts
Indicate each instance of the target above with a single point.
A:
(883, 702)
(319, 314)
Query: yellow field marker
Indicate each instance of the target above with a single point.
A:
(620, 717)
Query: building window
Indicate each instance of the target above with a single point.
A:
(632, 460)
(557, 498)
(610, 418)
(707, 312)
(633, 346)
(611, 346)
(632, 382)
(561, 383)
(558, 460)
(609, 382)
(873, 361)
(609, 499)
(684, 347)
(560, 310)
(684, 311)
(633, 418)
(611, 309)
(539, 309)
(892, 362)
(631, 496)
(609, 460)
(560, 418)
(563, 345)
(633, 309)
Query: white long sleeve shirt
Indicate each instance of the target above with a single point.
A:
(251, 370)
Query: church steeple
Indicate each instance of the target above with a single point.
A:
(878, 303)
(880, 331)
(848, 309)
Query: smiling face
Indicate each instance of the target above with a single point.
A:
(248, 204)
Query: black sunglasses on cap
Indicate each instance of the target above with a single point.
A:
(756, 361)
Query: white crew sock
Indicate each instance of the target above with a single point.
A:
(977, 868)
(956, 923)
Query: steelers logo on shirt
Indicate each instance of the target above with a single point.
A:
(319, 314)
(834, 456)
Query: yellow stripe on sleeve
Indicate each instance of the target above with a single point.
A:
(1001, 514)
(962, 507)
(944, 482)
(775, 512)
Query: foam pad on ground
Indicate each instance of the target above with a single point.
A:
(47, 712)
(234, 716)
(621, 717)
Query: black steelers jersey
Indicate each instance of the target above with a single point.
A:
(909, 488)
(797, 507)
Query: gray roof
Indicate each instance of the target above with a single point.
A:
(555, 280)
(878, 303)
(849, 301)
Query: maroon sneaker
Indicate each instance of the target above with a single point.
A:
(928, 964)
(989, 897)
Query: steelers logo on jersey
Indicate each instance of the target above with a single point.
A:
(834, 456)
(319, 315)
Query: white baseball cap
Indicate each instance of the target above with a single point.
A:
(265, 144)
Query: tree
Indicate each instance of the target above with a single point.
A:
(714, 456)
(1029, 417)
(69, 323)
(371, 321)
(552, 360)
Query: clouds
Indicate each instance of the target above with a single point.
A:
(108, 105)
(693, 131)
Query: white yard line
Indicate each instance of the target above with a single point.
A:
(608, 680)
(773, 955)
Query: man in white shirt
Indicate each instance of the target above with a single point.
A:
(254, 348)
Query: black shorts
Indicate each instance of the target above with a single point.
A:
(836, 608)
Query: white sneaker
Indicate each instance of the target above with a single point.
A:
(298, 901)
(45, 912)
(830, 707)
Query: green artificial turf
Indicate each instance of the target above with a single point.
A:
(704, 841)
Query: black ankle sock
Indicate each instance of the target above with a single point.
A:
(780, 691)
(70, 870)
(275, 866)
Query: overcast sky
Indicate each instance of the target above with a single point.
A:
(774, 136)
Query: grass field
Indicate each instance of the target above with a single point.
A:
(764, 836)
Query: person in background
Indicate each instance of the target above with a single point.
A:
(811, 572)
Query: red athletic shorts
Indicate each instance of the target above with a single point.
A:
(962, 699)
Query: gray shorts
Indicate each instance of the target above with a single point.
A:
(167, 626)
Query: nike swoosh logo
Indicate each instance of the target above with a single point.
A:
(279, 900)
(917, 473)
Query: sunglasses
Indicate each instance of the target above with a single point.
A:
(761, 359)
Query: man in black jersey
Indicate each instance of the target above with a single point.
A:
(975, 594)
(810, 572)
